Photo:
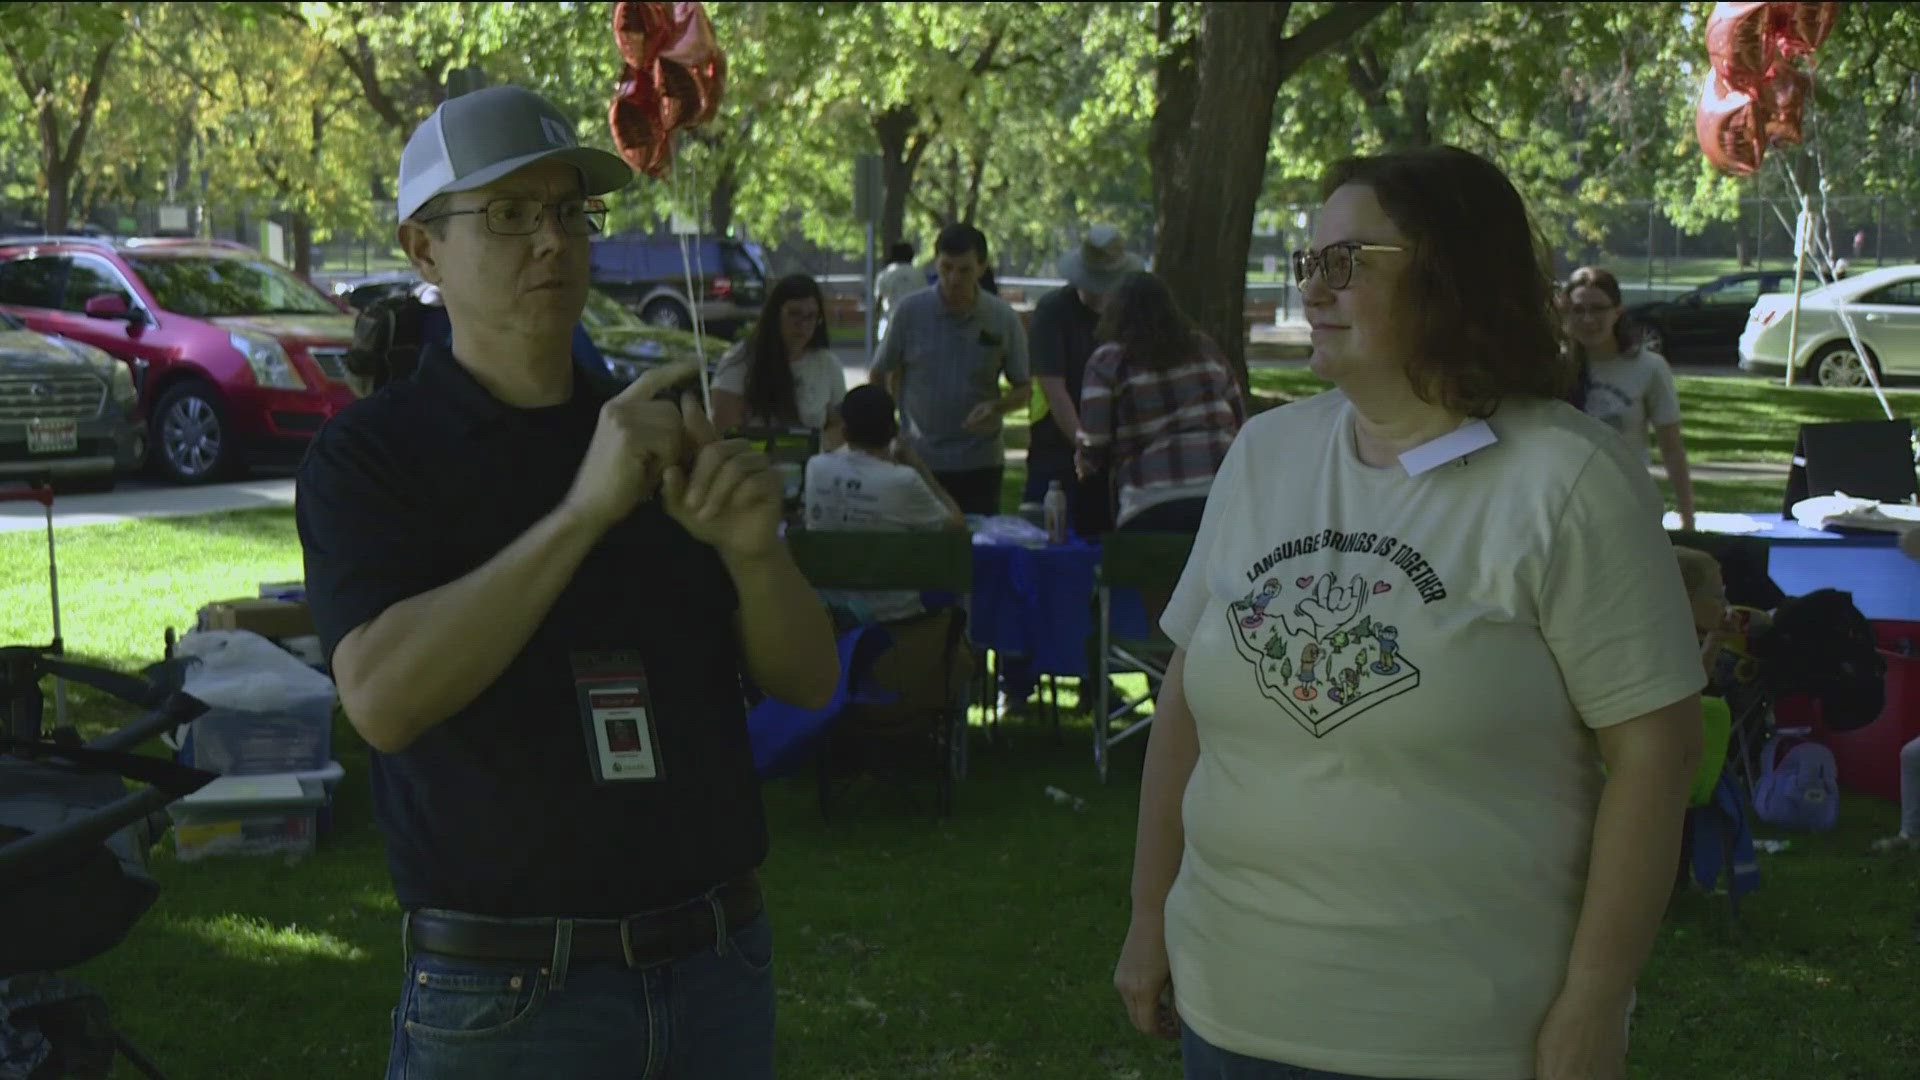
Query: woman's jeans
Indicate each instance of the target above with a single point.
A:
(708, 1016)
(1205, 1061)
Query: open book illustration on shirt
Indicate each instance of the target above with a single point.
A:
(1316, 649)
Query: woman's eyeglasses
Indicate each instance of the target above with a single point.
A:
(1334, 263)
(1589, 309)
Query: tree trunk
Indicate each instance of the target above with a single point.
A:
(901, 147)
(300, 238)
(1205, 202)
(720, 199)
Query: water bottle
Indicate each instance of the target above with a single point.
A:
(1056, 513)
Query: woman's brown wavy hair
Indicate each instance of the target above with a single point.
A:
(1479, 285)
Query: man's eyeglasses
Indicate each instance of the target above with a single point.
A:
(1334, 263)
(521, 216)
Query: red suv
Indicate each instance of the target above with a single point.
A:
(238, 358)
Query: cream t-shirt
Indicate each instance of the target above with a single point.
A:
(1393, 680)
(819, 383)
(1627, 393)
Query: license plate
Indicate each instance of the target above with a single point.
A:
(52, 436)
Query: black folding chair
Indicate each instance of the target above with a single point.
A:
(1151, 563)
(923, 731)
(1867, 459)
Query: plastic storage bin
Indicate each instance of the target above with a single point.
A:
(249, 815)
(232, 742)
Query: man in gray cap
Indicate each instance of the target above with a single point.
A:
(539, 594)
(1060, 341)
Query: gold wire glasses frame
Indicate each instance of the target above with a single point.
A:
(1334, 263)
(522, 216)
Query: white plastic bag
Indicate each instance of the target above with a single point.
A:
(242, 671)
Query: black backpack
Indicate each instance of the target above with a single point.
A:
(1821, 646)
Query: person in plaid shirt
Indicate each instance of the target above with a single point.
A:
(1159, 405)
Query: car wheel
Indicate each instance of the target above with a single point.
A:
(1839, 366)
(191, 441)
(1652, 340)
(668, 314)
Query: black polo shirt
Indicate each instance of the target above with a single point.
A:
(1060, 341)
(495, 810)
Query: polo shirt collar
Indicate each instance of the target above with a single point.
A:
(473, 407)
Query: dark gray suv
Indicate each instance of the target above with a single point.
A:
(68, 411)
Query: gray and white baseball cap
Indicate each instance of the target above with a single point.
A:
(474, 139)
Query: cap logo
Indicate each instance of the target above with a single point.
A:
(556, 132)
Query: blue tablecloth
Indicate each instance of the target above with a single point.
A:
(1885, 583)
(1038, 603)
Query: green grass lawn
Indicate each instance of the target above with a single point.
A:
(977, 947)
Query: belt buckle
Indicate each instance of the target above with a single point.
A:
(626, 940)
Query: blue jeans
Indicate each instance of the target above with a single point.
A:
(1205, 1061)
(708, 1016)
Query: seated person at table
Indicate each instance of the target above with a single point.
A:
(782, 374)
(1707, 595)
(874, 483)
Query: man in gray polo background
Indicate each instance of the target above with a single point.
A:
(539, 594)
(942, 359)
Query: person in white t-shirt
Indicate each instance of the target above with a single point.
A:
(783, 374)
(899, 280)
(1422, 611)
(875, 483)
(1628, 386)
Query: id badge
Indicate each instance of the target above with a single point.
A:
(617, 714)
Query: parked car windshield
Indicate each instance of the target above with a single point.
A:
(604, 312)
(208, 286)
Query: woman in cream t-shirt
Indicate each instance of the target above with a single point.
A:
(782, 373)
(1423, 609)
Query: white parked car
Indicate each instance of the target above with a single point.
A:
(1885, 306)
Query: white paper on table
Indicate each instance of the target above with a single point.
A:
(1712, 522)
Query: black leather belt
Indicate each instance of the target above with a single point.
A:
(650, 937)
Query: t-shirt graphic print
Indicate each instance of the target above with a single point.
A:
(1326, 649)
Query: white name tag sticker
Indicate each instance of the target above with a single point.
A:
(1452, 446)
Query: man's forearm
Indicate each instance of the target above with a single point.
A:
(425, 658)
(1015, 397)
(1636, 845)
(1060, 404)
(785, 633)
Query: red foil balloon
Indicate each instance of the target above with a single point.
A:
(1798, 29)
(1740, 44)
(673, 78)
(1731, 127)
(1782, 98)
(693, 69)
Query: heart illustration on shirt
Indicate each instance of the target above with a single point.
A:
(1381, 586)
(1304, 582)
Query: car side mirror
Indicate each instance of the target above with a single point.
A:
(1695, 300)
(108, 306)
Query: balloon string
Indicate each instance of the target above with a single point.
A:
(693, 300)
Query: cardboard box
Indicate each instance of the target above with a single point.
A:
(271, 619)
